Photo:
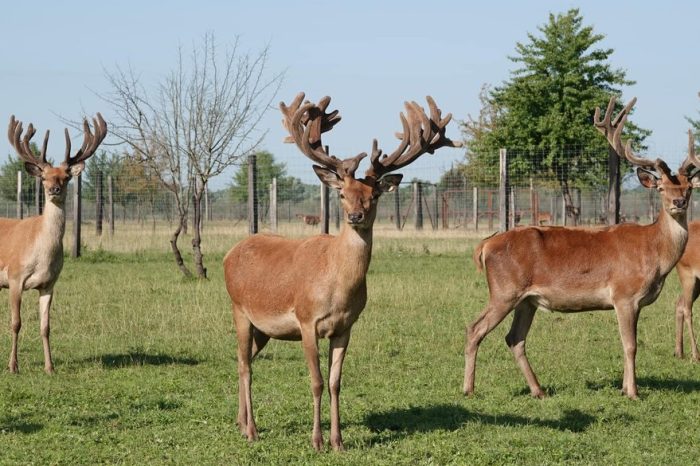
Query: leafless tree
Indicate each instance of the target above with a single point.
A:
(202, 118)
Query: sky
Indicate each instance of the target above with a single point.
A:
(369, 56)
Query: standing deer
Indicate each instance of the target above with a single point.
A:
(316, 287)
(621, 267)
(31, 250)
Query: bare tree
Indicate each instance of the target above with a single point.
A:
(200, 120)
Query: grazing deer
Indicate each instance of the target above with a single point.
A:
(316, 287)
(621, 267)
(31, 250)
(312, 220)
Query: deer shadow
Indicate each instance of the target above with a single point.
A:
(140, 358)
(417, 419)
(11, 424)
(652, 383)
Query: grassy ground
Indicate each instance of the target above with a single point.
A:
(146, 372)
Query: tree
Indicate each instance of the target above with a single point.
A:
(200, 120)
(543, 113)
(104, 164)
(8, 179)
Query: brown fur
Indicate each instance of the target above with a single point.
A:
(688, 269)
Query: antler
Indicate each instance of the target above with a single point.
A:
(420, 135)
(691, 162)
(90, 141)
(306, 123)
(21, 145)
(612, 130)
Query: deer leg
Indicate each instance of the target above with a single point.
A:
(490, 317)
(259, 342)
(522, 320)
(336, 355)
(244, 334)
(683, 306)
(15, 323)
(627, 318)
(309, 341)
(45, 298)
(688, 318)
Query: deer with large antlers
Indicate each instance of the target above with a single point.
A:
(31, 250)
(621, 267)
(315, 288)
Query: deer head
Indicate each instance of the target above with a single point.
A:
(55, 179)
(306, 122)
(675, 189)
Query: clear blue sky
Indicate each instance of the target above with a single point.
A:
(369, 56)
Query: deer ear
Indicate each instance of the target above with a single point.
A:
(75, 170)
(389, 183)
(647, 179)
(328, 177)
(32, 169)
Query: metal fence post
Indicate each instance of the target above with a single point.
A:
(98, 204)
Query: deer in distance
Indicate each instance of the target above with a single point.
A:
(620, 267)
(306, 289)
(31, 249)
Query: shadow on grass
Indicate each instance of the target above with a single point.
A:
(652, 383)
(452, 417)
(139, 358)
(13, 424)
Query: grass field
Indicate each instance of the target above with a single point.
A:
(146, 372)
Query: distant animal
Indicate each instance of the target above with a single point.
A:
(31, 249)
(306, 289)
(312, 220)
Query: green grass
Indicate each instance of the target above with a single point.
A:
(146, 374)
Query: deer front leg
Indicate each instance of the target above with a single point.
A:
(684, 308)
(246, 421)
(627, 317)
(309, 341)
(45, 298)
(15, 323)
(522, 320)
(336, 355)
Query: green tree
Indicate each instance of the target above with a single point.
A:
(8, 179)
(543, 114)
(105, 163)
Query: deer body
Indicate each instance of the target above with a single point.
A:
(688, 269)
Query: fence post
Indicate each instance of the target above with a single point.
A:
(252, 195)
(98, 204)
(273, 205)
(475, 207)
(418, 203)
(503, 190)
(564, 218)
(397, 208)
(511, 208)
(534, 205)
(77, 211)
(110, 202)
(613, 214)
(20, 208)
(325, 211)
(337, 210)
(437, 208)
(39, 191)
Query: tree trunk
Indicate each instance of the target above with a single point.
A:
(173, 245)
(197, 234)
(572, 211)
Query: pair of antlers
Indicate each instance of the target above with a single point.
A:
(306, 122)
(612, 130)
(90, 142)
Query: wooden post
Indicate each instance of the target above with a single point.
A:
(511, 208)
(325, 211)
(418, 203)
(475, 207)
(503, 190)
(437, 208)
(273, 205)
(613, 214)
(534, 205)
(252, 195)
(77, 211)
(20, 208)
(38, 196)
(98, 204)
(397, 208)
(110, 206)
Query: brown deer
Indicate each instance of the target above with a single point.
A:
(688, 269)
(621, 267)
(31, 250)
(318, 287)
(312, 220)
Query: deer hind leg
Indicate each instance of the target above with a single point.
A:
(244, 334)
(45, 298)
(490, 317)
(627, 318)
(309, 341)
(688, 319)
(522, 320)
(15, 323)
(336, 355)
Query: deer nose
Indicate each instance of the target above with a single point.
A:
(680, 202)
(54, 190)
(356, 217)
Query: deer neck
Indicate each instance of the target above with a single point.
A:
(671, 232)
(353, 251)
(53, 222)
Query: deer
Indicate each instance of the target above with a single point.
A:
(312, 220)
(620, 267)
(31, 249)
(319, 286)
(688, 269)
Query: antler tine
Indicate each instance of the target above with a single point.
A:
(420, 134)
(44, 146)
(90, 141)
(691, 162)
(21, 145)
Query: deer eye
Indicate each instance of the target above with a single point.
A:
(342, 196)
